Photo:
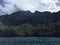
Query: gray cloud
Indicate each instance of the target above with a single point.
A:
(58, 3)
(10, 6)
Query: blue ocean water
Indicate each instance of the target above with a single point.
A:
(29, 41)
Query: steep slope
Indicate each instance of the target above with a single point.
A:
(22, 17)
(25, 23)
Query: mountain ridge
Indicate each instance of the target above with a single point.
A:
(27, 15)
(27, 24)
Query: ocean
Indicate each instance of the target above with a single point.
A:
(29, 41)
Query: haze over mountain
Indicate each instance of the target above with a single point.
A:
(30, 18)
(10, 6)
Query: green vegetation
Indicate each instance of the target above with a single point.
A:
(30, 24)
(28, 30)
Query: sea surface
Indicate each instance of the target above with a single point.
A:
(29, 41)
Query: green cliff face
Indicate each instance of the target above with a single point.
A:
(30, 24)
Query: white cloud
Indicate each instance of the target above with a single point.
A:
(11, 6)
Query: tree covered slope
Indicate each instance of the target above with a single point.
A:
(25, 23)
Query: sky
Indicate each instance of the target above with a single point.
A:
(11, 6)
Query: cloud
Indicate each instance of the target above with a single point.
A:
(10, 6)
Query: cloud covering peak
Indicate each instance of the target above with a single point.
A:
(10, 6)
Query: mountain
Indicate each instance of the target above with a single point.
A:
(22, 17)
(25, 23)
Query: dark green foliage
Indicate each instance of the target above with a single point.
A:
(30, 30)
(30, 24)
